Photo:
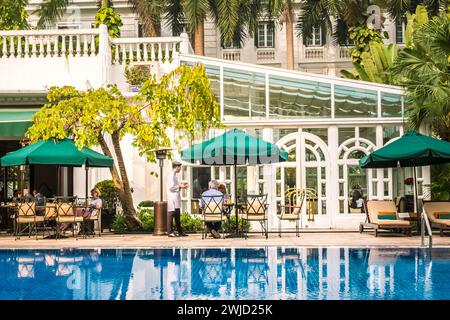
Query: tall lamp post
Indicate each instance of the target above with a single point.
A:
(161, 206)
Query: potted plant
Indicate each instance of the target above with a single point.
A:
(109, 200)
(136, 76)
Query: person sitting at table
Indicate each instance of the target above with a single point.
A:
(95, 204)
(212, 227)
(27, 196)
(226, 197)
(40, 201)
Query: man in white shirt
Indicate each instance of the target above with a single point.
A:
(174, 187)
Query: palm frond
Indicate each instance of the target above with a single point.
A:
(195, 12)
(50, 11)
(174, 16)
(150, 13)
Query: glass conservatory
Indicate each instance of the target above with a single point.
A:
(325, 124)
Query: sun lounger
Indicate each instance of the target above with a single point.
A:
(382, 215)
(438, 212)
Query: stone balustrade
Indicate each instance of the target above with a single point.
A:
(48, 43)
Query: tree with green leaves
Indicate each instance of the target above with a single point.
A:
(374, 64)
(424, 70)
(181, 100)
(13, 15)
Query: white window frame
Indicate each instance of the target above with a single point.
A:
(266, 33)
(312, 40)
(403, 26)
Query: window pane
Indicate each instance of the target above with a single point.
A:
(213, 74)
(391, 105)
(345, 134)
(322, 133)
(369, 133)
(200, 179)
(352, 102)
(270, 34)
(390, 133)
(291, 98)
(242, 91)
(399, 31)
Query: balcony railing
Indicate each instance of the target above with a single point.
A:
(145, 49)
(265, 55)
(345, 53)
(314, 53)
(48, 43)
(231, 54)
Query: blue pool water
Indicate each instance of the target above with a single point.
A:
(263, 273)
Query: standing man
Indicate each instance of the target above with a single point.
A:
(174, 187)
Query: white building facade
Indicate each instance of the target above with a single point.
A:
(325, 123)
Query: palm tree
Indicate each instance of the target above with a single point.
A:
(424, 71)
(150, 13)
(284, 10)
(235, 19)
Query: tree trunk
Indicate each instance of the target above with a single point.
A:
(104, 3)
(289, 39)
(199, 35)
(123, 189)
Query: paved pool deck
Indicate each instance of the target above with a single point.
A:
(306, 239)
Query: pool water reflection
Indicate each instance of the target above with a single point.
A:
(262, 273)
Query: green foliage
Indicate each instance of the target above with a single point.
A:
(414, 22)
(119, 224)
(136, 75)
(181, 99)
(440, 187)
(424, 70)
(190, 223)
(146, 204)
(13, 15)
(50, 11)
(363, 36)
(110, 18)
(375, 64)
(108, 193)
(230, 226)
(147, 218)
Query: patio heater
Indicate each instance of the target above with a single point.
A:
(160, 208)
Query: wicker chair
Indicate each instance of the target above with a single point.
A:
(26, 215)
(255, 209)
(291, 210)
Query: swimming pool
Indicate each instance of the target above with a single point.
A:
(259, 273)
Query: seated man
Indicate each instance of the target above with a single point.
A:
(212, 227)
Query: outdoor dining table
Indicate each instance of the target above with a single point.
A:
(237, 207)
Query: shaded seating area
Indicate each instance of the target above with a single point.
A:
(383, 215)
(57, 212)
(438, 212)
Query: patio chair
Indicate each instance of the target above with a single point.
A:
(26, 215)
(438, 212)
(96, 219)
(212, 212)
(255, 209)
(49, 216)
(65, 213)
(291, 210)
(382, 215)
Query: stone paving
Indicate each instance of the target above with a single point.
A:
(309, 239)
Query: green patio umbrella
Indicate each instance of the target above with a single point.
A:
(234, 147)
(411, 150)
(57, 152)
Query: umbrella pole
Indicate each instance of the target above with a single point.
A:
(416, 201)
(86, 186)
(236, 198)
